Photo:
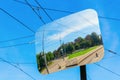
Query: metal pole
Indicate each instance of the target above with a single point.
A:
(46, 63)
(83, 74)
(44, 53)
(61, 50)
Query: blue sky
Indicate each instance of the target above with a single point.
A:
(10, 29)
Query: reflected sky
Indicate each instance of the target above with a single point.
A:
(67, 29)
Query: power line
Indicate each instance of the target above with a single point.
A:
(115, 19)
(21, 43)
(111, 51)
(102, 17)
(35, 11)
(17, 20)
(43, 7)
(59, 10)
(107, 69)
(43, 31)
(17, 45)
(16, 38)
(22, 63)
(47, 13)
(23, 3)
(18, 68)
(44, 10)
(19, 38)
(65, 11)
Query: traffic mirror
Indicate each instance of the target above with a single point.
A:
(73, 40)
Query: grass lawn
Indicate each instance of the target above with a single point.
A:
(75, 54)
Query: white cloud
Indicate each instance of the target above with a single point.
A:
(74, 23)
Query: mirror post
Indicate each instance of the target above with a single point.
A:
(83, 73)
